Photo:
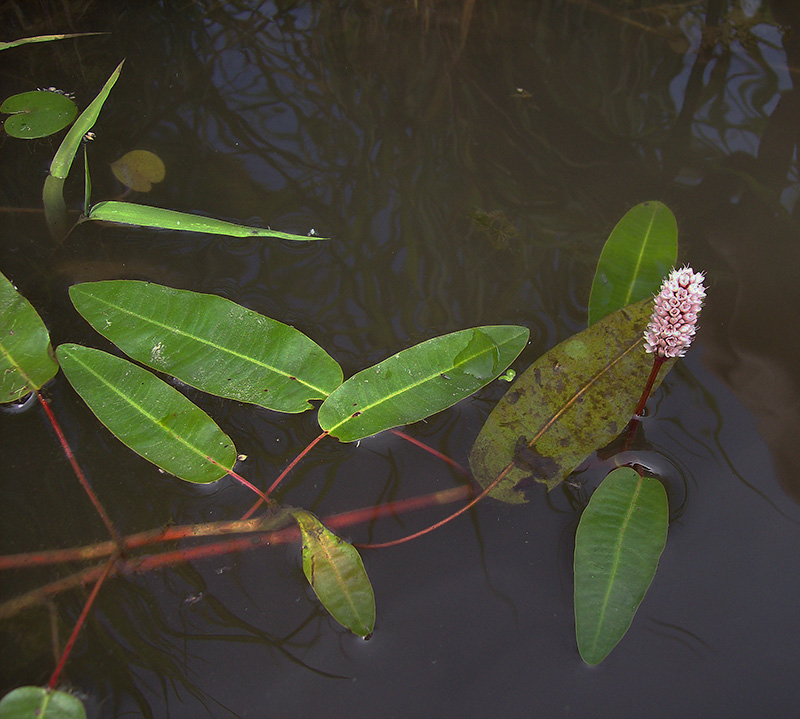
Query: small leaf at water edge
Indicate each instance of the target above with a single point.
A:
(128, 213)
(37, 114)
(139, 170)
(571, 401)
(620, 538)
(210, 343)
(25, 355)
(336, 573)
(40, 703)
(420, 381)
(145, 413)
(638, 254)
(62, 160)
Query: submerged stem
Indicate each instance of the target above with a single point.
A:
(79, 624)
(80, 475)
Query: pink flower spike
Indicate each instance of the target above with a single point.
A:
(674, 322)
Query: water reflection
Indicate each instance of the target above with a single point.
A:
(467, 161)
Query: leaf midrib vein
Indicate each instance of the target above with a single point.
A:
(216, 346)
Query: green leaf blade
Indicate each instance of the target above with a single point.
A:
(210, 343)
(620, 538)
(336, 573)
(640, 251)
(40, 703)
(62, 160)
(148, 415)
(26, 362)
(420, 381)
(128, 213)
(571, 401)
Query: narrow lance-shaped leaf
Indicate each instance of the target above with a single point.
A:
(25, 354)
(145, 413)
(571, 401)
(40, 703)
(87, 182)
(210, 343)
(638, 254)
(420, 381)
(44, 38)
(336, 573)
(128, 213)
(62, 161)
(619, 541)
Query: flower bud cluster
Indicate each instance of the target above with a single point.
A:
(674, 321)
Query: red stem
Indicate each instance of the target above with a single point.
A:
(81, 477)
(51, 685)
(432, 451)
(637, 413)
(289, 468)
(447, 519)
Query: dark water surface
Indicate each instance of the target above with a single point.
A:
(467, 160)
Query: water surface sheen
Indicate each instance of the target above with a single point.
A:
(467, 160)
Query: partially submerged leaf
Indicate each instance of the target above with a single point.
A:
(210, 343)
(40, 703)
(62, 160)
(128, 213)
(139, 170)
(619, 541)
(145, 413)
(420, 381)
(638, 254)
(573, 400)
(336, 573)
(37, 114)
(26, 362)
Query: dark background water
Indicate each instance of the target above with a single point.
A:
(467, 160)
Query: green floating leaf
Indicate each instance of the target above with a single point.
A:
(40, 703)
(573, 400)
(336, 574)
(420, 381)
(139, 170)
(620, 538)
(210, 343)
(640, 251)
(145, 413)
(37, 114)
(62, 161)
(128, 213)
(26, 362)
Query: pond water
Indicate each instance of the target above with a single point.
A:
(467, 160)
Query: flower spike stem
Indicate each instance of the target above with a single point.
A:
(671, 329)
(648, 388)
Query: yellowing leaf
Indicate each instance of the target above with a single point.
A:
(336, 574)
(139, 169)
